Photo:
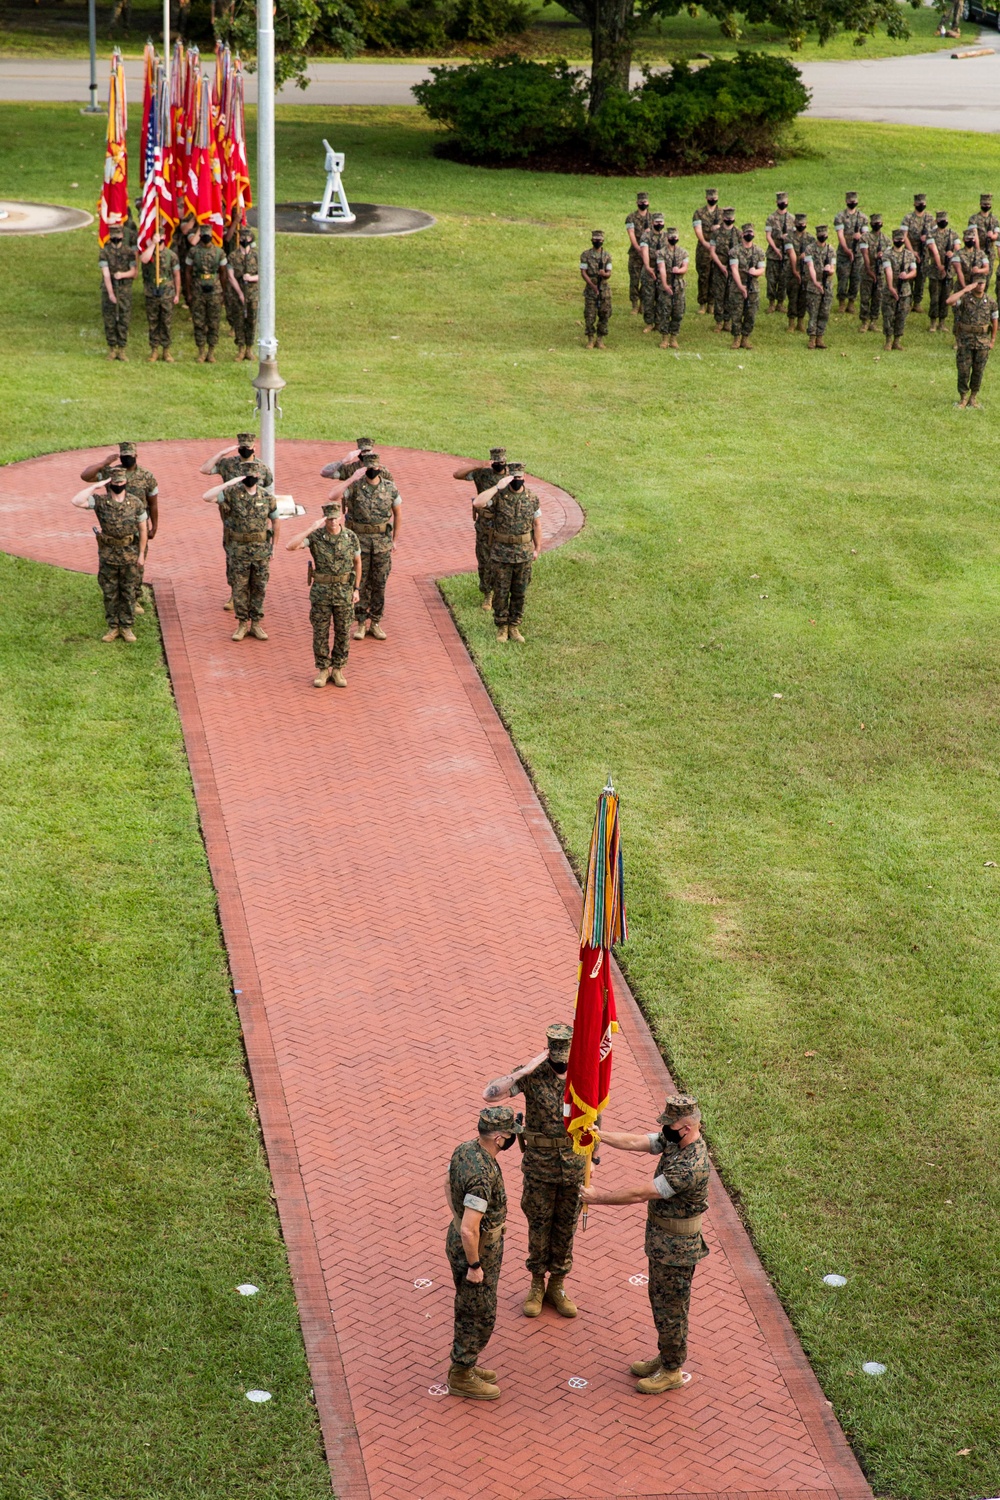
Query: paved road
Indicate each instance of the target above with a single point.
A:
(927, 89)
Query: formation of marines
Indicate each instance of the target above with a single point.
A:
(187, 265)
(552, 1196)
(880, 276)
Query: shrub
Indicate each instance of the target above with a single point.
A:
(736, 108)
(433, 25)
(508, 108)
(627, 131)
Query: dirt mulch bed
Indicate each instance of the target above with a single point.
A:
(570, 163)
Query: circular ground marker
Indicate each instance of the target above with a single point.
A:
(834, 1280)
(437, 1390)
(422, 1282)
(370, 219)
(872, 1367)
(639, 1280)
(40, 218)
(577, 1383)
(247, 1289)
(258, 1396)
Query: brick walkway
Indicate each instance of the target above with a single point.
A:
(401, 928)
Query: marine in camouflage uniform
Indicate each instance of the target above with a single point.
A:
(704, 221)
(795, 247)
(818, 268)
(243, 279)
(636, 225)
(652, 241)
(942, 242)
(372, 511)
(120, 542)
(206, 261)
(899, 265)
(987, 227)
(671, 265)
(251, 521)
(515, 513)
(115, 261)
(142, 486)
(677, 1198)
(849, 227)
(553, 1171)
(484, 477)
(917, 225)
(334, 575)
(873, 248)
(344, 468)
(477, 1200)
(228, 466)
(976, 331)
(161, 285)
(777, 229)
(595, 271)
(746, 266)
(723, 238)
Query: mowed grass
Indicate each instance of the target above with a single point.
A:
(806, 874)
(135, 1190)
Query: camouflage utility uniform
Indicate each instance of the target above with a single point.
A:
(708, 216)
(918, 225)
(741, 312)
(331, 594)
(986, 224)
(116, 315)
(641, 221)
(553, 1173)
(475, 1181)
(229, 468)
(654, 240)
(142, 486)
(484, 479)
(205, 262)
(854, 223)
(724, 239)
(779, 225)
(819, 299)
(939, 280)
(512, 514)
(118, 554)
(895, 313)
(797, 306)
(672, 303)
(243, 262)
(672, 1252)
(249, 547)
(159, 294)
(370, 511)
(596, 305)
(873, 282)
(973, 330)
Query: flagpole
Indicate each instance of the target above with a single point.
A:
(93, 108)
(166, 40)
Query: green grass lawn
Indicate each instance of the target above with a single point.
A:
(806, 874)
(58, 28)
(136, 1193)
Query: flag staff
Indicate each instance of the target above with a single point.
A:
(166, 41)
(93, 108)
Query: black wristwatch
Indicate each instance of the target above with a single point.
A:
(475, 1265)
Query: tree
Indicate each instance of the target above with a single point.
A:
(296, 22)
(614, 24)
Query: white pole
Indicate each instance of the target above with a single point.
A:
(268, 382)
(166, 42)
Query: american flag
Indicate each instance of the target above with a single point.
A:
(157, 192)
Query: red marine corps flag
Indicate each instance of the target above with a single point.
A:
(114, 190)
(588, 1076)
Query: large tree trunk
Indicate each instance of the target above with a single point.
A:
(612, 28)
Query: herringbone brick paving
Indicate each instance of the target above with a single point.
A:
(399, 922)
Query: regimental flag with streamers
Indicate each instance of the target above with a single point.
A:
(203, 188)
(113, 203)
(158, 207)
(178, 94)
(148, 93)
(236, 195)
(588, 1074)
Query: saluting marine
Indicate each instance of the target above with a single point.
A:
(142, 486)
(250, 519)
(372, 509)
(516, 517)
(484, 477)
(334, 579)
(553, 1171)
(229, 465)
(121, 546)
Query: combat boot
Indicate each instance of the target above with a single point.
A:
(556, 1297)
(127, 634)
(154, 355)
(887, 345)
(490, 1376)
(850, 305)
(812, 341)
(726, 328)
(820, 342)
(647, 328)
(590, 342)
(337, 678)
(745, 342)
(487, 603)
(673, 341)
(241, 630)
(663, 1380)
(791, 326)
(643, 1368)
(736, 342)
(600, 343)
(800, 326)
(112, 634)
(932, 326)
(963, 401)
(665, 342)
(532, 1305)
(502, 633)
(465, 1382)
(168, 358)
(513, 634)
(210, 356)
(258, 632)
(122, 355)
(897, 343)
(635, 307)
(770, 307)
(360, 630)
(229, 603)
(202, 355)
(841, 303)
(376, 632)
(322, 677)
(112, 353)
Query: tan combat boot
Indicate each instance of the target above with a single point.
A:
(502, 633)
(736, 342)
(337, 678)
(202, 355)
(122, 355)
(887, 345)
(897, 343)
(112, 634)
(665, 341)
(800, 326)
(322, 677)
(643, 1368)
(490, 1376)
(241, 630)
(465, 1382)
(154, 355)
(168, 358)
(726, 328)
(841, 302)
(532, 1305)
(229, 604)
(973, 402)
(962, 401)
(361, 630)
(673, 341)
(600, 343)
(932, 326)
(487, 603)
(556, 1297)
(663, 1380)
(514, 634)
(112, 353)
(791, 326)
(127, 634)
(745, 342)
(590, 342)
(258, 632)
(820, 343)
(812, 341)
(850, 305)
(635, 307)
(376, 632)
(770, 307)
(210, 356)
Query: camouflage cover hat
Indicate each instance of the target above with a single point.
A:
(920, 197)
(801, 218)
(986, 197)
(332, 509)
(658, 218)
(940, 213)
(117, 475)
(781, 195)
(671, 228)
(642, 197)
(499, 1117)
(127, 450)
(498, 455)
(677, 1107)
(370, 458)
(365, 444)
(597, 234)
(822, 228)
(516, 468)
(246, 439)
(729, 210)
(745, 227)
(851, 193)
(559, 1036)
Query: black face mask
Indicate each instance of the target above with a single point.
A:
(117, 489)
(517, 483)
(970, 244)
(729, 218)
(245, 452)
(245, 244)
(782, 204)
(249, 482)
(898, 242)
(852, 203)
(498, 467)
(748, 239)
(117, 241)
(560, 1065)
(942, 223)
(822, 238)
(670, 1134)
(712, 198)
(642, 208)
(128, 461)
(597, 244)
(876, 223)
(371, 473)
(508, 1143)
(672, 239)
